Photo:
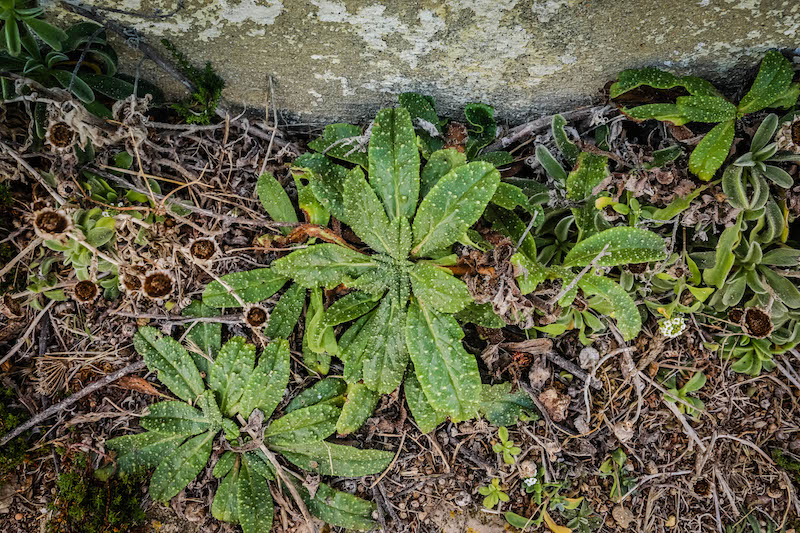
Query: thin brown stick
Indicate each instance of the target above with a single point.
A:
(60, 406)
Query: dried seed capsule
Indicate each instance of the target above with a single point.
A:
(158, 284)
(256, 316)
(757, 323)
(60, 136)
(130, 282)
(203, 249)
(51, 224)
(86, 291)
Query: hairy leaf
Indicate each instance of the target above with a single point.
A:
(267, 383)
(302, 426)
(340, 509)
(331, 459)
(712, 151)
(453, 205)
(286, 313)
(366, 214)
(275, 200)
(439, 288)
(447, 373)
(438, 165)
(230, 372)
(623, 245)
(323, 265)
(326, 180)
(629, 322)
(181, 466)
(589, 172)
(171, 361)
(255, 501)
(328, 390)
(567, 148)
(773, 79)
(385, 356)
(394, 162)
(225, 506)
(502, 407)
(175, 417)
(207, 336)
(143, 451)
(358, 406)
(251, 286)
(426, 417)
(706, 108)
(341, 141)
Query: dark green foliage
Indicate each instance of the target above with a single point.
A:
(791, 465)
(13, 453)
(87, 505)
(201, 106)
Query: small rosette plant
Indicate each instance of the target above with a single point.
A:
(228, 408)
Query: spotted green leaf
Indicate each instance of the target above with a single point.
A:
(286, 313)
(439, 164)
(367, 217)
(587, 174)
(568, 149)
(224, 464)
(340, 509)
(340, 141)
(385, 357)
(275, 200)
(426, 417)
(358, 406)
(394, 162)
(328, 390)
(447, 373)
(453, 205)
(661, 112)
(181, 466)
(143, 451)
(175, 417)
(265, 387)
(206, 336)
(625, 245)
(256, 508)
(706, 108)
(715, 276)
(624, 311)
(712, 151)
(773, 79)
(323, 265)
(251, 286)
(502, 407)
(225, 506)
(302, 426)
(325, 179)
(439, 288)
(171, 361)
(331, 459)
(230, 372)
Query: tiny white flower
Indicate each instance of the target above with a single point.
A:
(105, 214)
(672, 327)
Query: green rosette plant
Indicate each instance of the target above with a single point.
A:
(772, 88)
(228, 407)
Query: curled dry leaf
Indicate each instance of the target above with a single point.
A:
(556, 404)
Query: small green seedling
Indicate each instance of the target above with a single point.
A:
(695, 383)
(615, 466)
(493, 494)
(506, 447)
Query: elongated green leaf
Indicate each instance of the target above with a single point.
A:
(171, 361)
(481, 315)
(275, 200)
(447, 373)
(207, 336)
(510, 197)
(341, 141)
(589, 172)
(11, 32)
(679, 205)
(225, 506)
(422, 108)
(79, 87)
(785, 257)
(426, 417)
(629, 322)
(724, 258)
(181, 466)
(567, 148)
(624, 245)
(259, 463)
(328, 390)
(286, 314)
(319, 338)
(502, 407)
(773, 79)
(251, 286)
(712, 151)
(224, 464)
(438, 165)
(784, 289)
(230, 372)
(367, 217)
(323, 265)
(326, 180)
(54, 37)
(658, 79)
(340, 509)
(661, 112)
(255, 501)
(331, 459)
(394, 162)
(143, 451)
(439, 288)
(349, 307)
(175, 417)
(453, 205)
(385, 356)
(358, 406)
(550, 165)
(706, 108)
(267, 383)
(302, 426)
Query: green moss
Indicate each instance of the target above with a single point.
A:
(89, 505)
(202, 104)
(787, 463)
(13, 453)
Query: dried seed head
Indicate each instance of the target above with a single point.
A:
(67, 189)
(702, 488)
(637, 268)
(130, 282)
(735, 315)
(788, 136)
(51, 224)
(255, 315)
(757, 323)
(11, 308)
(86, 291)
(158, 284)
(60, 136)
(203, 249)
